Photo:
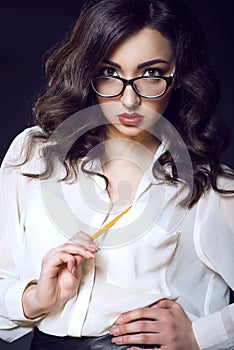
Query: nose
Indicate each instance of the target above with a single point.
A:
(129, 98)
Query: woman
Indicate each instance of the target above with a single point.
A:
(105, 145)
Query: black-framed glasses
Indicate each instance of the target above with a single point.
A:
(148, 87)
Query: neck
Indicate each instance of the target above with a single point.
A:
(119, 141)
(123, 149)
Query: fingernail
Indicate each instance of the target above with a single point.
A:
(117, 340)
(114, 331)
(88, 253)
(119, 320)
(94, 247)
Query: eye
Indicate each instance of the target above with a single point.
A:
(109, 71)
(153, 72)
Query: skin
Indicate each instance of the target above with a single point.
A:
(153, 46)
(165, 322)
(60, 276)
(157, 57)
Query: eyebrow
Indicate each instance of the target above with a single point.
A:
(150, 63)
(111, 63)
(141, 65)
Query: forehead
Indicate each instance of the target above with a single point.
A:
(145, 45)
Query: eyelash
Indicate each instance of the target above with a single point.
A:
(153, 70)
(111, 70)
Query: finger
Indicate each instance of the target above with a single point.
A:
(136, 348)
(141, 326)
(73, 249)
(83, 237)
(142, 338)
(51, 265)
(80, 253)
(140, 313)
(76, 245)
(165, 304)
(133, 315)
(76, 271)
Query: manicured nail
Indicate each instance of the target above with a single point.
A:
(119, 320)
(89, 254)
(117, 340)
(114, 331)
(94, 247)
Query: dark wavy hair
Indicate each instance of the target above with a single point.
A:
(69, 69)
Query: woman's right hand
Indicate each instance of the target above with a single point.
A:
(60, 276)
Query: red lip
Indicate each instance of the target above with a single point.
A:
(130, 118)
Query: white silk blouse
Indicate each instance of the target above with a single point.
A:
(156, 250)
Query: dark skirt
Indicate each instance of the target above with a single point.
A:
(43, 341)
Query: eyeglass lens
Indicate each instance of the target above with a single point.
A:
(109, 86)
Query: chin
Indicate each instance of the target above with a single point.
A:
(126, 131)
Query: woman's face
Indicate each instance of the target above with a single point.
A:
(146, 53)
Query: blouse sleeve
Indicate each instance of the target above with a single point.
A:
(13, 323)
(214, 240)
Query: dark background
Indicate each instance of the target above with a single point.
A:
(29, 29)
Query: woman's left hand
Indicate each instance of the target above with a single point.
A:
(164, 323)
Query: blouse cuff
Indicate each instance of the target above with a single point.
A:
(14, 303)
(210, 333)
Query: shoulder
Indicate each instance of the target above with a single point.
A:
(226, 182)
(18, 146)
(215, 202)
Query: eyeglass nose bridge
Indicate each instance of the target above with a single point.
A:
(131, 83)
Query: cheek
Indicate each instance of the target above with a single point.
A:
(159, 105)
(104, 104)
(110, 109)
